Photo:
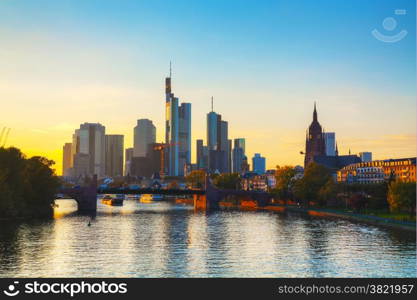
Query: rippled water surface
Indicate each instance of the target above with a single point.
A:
(168, 240)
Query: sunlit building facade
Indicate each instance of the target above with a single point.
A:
(403, 169)
(144, 134)
(89, 140)
(114, 155)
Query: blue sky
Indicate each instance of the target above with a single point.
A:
(265, 62)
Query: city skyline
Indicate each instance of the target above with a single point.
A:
(57, 77)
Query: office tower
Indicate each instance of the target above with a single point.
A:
(128, 161)
(144, 134)
(217, 143)
(229, 156)
(245, 165)
(67, 159)
(184, 136)
(240, 143)
(171, 129)
(150, 165)
(238, 155)
(202, 155)
(315, 145)
(81, 165)
(199, 153)
(114, 155)
(224, 146)
(89, 140)
(155, 159)
(212, 130)
(258, 164)
(330, 143)
(365, 156)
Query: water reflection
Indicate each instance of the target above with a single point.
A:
(168, 240)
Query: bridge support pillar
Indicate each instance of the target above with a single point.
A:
(87, 199)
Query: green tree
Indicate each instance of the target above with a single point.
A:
(284, 179)
(227, 181)
(307, 188)
(27, 186)
(328, 193)
(402, 196)
(196, 178)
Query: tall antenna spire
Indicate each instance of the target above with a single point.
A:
(170, 69)
(212, 103)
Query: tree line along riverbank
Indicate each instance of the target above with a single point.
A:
(27, 185)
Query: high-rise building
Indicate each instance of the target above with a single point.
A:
(128, 161)
(144, 134)
(315, 145)
(330, 143)
(89, 140)
(151, 164)
(229, 156)
(258, 164)
(177, 132)
(245, 165)
(184, 136)
(81, 165)
(114, 155)
(202, 155)
(238, 155)
(365, 156)
(67, 159)
(218, 143)
(212, 130)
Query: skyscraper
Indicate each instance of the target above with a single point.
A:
(184, 135)
(67, 159)
(202, 155)
(171, 129)
(258, 164)
(144, 134)
(128, 160)
(330, 143)
(89, 140)
(218, 143)
(114, 155)
(238, 155)
(315, 144)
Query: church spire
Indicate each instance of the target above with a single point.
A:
(337, 150)
(315, 113)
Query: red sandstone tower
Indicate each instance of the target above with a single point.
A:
(315, 144)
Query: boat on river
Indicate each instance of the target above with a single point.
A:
(116, 200)
(149, 198)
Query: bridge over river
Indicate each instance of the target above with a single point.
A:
(207, 198)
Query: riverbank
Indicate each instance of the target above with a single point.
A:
(325, 212)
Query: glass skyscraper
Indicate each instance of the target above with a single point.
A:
(177, 132)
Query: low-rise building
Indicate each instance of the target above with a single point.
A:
(379, 170)
(251, 181)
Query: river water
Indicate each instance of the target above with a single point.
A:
(172, 240)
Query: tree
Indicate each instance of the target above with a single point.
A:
(357, 201)
(27, 186)
(196, 178)
(315, 177)
(227, 181)
(284, 178)
(402, 196)
(327, 193)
